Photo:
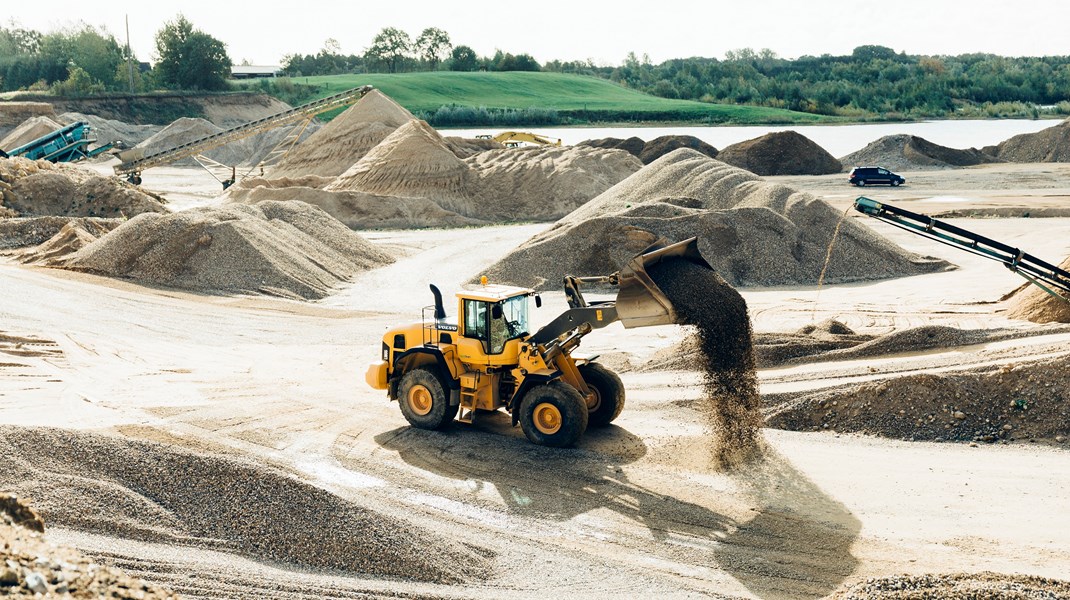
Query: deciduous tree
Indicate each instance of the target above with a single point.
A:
(188, 58)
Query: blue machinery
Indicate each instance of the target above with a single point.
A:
(68, 144)
(1038, 272)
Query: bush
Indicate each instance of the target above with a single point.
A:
(468, 116)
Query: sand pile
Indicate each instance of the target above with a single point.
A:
(732, 403)
(414, 179)
(110, 130)
(28, 131)
(1030, 303)
(31, 566)
(42, 188)
(14, 113)
(1048, 145)
(956, 586)
(33, 231)
(753, 232)
(465, 147)
(989, 403)
(912, 153)
(74, 236)
(288, 249)
(780, 153)
(338, 145)
(159, 493)
(650, 151)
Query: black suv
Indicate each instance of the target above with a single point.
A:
(861, 176)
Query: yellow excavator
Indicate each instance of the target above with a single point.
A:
(487, 360)
(513, 139)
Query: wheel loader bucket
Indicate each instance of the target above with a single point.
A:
(640, 302)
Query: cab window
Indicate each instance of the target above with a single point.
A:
(475, 320)
(511, 323)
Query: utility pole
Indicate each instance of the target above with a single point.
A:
(129, 57)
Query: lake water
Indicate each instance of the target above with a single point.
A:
(838, 140)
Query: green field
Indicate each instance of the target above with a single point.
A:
(574, 96)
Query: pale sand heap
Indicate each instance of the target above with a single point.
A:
(1030, 303)
(752, 231)
(288, 249)
(28, 131)
(338, 145)
(39, 188)
(414, 178)
(75, 235)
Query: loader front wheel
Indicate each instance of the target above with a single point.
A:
(608, 391)
(553, 415)
(425, 400)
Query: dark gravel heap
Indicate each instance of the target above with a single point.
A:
(956, 586)
(159, 493)
(781, 153)
(701, 298)
(1047, 145)
(910, 152)
(650, 151)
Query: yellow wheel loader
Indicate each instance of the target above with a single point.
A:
(440, 371)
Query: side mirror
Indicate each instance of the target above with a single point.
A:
(538, 301)
(496, 311)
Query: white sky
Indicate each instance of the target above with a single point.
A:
(263, 32)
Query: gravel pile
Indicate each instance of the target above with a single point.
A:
(465, 147)
(650, 151)
(781, 153)
(912, 153)
(289, 249)
(74, 236)
(752, 231)
(245, 152)
(39, 188)
(1048, 145)
(110, 130)
(956, 586)
(28, 131)
(33, 231)
(1030, 303)
(31, 567)
(159, 493)
(722, 327)
(986, 404)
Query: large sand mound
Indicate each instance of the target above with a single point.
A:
(780, 153)
(247, 152)
(650, 151)
(1048, 145)
(160, 493)
(32, 231)
(1030, 303)
(38, 188)
(110, 130)
(288, 249)
(912, 153)
(338, 145)
(414, 179)
(752, 231)
(28, 131)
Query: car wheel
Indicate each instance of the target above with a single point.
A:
(861, 183)
(895, 183)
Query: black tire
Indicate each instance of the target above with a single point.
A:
(895, 183)
(608, 391)
(861, 183)
(553, 415)
(425, 399)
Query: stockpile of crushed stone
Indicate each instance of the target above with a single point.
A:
(1030, 303)
(72, 237)
(110, 130)
(338, 145)
(31, 566)
(32, 231)
(28, 131)
(955, 586)
(650, 151)
(39, 188)
(780, 153)
(164, 494)
(1015, 401)
(414, 179)
(752, 231)
(912, 153)
(245, 152)
(722, 327)
(465, 147)
(1047, 145)
(288, 249)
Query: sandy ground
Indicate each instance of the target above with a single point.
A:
(635, 509)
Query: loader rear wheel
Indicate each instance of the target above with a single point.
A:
(553, 415)
(608, 391)
(425, 399)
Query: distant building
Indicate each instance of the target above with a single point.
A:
(254, 71)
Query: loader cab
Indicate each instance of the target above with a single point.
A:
(493, 320)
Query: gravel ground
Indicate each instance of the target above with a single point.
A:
(956, 586)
